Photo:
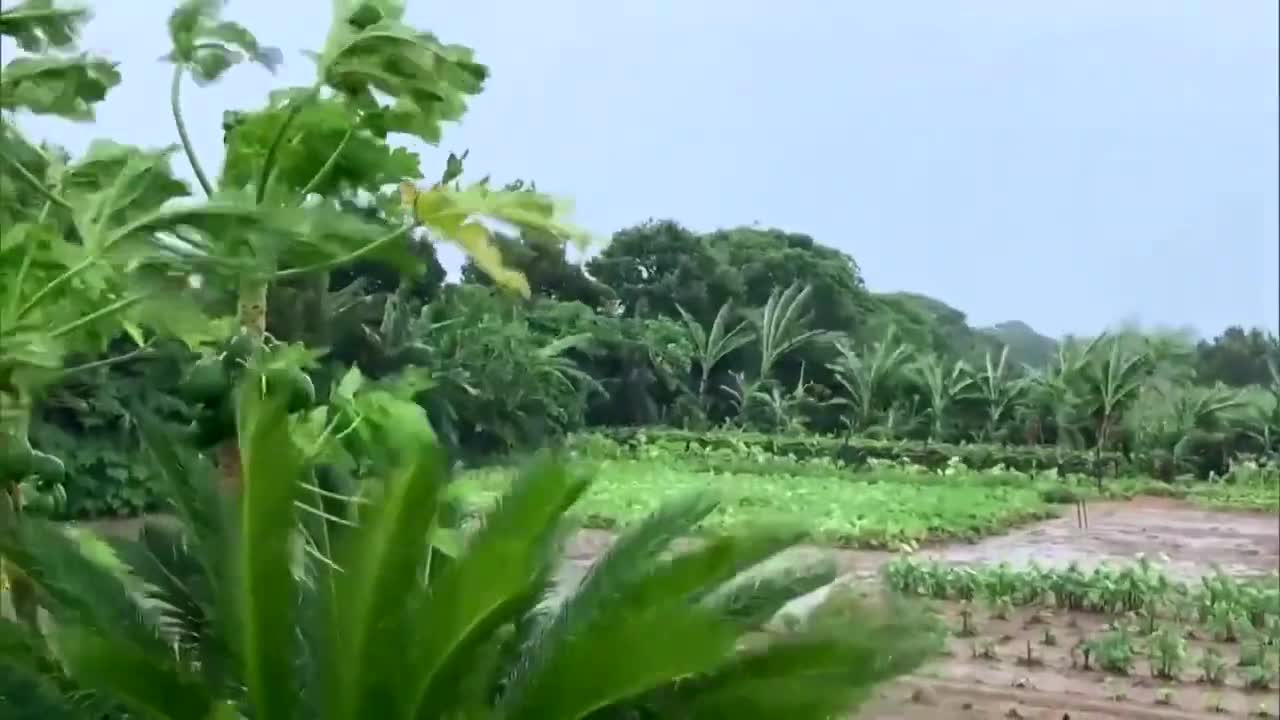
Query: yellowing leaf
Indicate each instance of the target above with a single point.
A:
(476, 241)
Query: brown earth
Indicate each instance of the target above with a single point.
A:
(1193, 541)
(1054, 684)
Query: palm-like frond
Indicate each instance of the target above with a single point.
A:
(712, 347)
(781, 326)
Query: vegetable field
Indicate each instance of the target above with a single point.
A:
(880, 510)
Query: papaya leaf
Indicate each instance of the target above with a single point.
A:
(456, 215)
(208, 46)
(38, 25)
(63, 86)
(371, 52)
(324, 151)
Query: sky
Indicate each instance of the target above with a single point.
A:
(1073, 165)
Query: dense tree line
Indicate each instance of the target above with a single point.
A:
(749, 327)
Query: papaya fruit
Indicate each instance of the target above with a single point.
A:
(47, 467)
(59, 494)
(16, 457)
(205, 382)
(237, 351)
(213, 425)
(295, 384)
(34, 501)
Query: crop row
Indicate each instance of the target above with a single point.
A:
(860, 452)
(1230, 609)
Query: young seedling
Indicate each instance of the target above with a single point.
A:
(1001, 609)
(1252, 653)
(1114, 652)
(1049, 639)
(1257, 677)
(1213, 669)
(1167, 652)
(984, 649)
(1081, 652)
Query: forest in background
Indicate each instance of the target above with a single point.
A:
(746, 329)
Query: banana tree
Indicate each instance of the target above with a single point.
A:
(1111, 381)
(866, 377)
(945, 388)
(711, 347)
(1204, 420)
(781, 326)
(212, 619)
(1265, 417)
(1055, 398)
(999, 393)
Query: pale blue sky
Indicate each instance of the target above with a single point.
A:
(1071, 164)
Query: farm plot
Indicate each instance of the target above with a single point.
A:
(1101, 640)
(872, 511)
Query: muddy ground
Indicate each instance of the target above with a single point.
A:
(1190, 541)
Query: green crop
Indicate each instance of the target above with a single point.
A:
(878, 510)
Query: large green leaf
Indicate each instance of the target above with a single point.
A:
(263, 592)
(383, 562)
(63, 86)
(325, 150)
(209, 46)
(38, 25)
(501, 570)
(146, 681)
(370, 51)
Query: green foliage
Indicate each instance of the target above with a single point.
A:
(174, 627)
(884, 509)
(208, 46)
(65, 86)
(1141, 587)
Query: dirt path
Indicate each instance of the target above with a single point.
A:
(1193, 540)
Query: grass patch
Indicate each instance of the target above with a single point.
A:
(1258, 496)
(875, 510)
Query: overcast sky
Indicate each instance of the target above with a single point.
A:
(1072, 164)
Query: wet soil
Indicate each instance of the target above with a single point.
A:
(1002, 682)
(1190, 541)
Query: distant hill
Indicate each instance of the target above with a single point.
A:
(1025, 344)
(929, 323)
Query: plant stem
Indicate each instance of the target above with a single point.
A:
(252, 308)
(54, 284)
(96, 315)
(328, 164)
(27, 258)
(337, 262)
(269, 162)
(175, 105)
(35, 183)
(106, 362)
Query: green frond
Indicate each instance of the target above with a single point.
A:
(262, 591)
(504, 567)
